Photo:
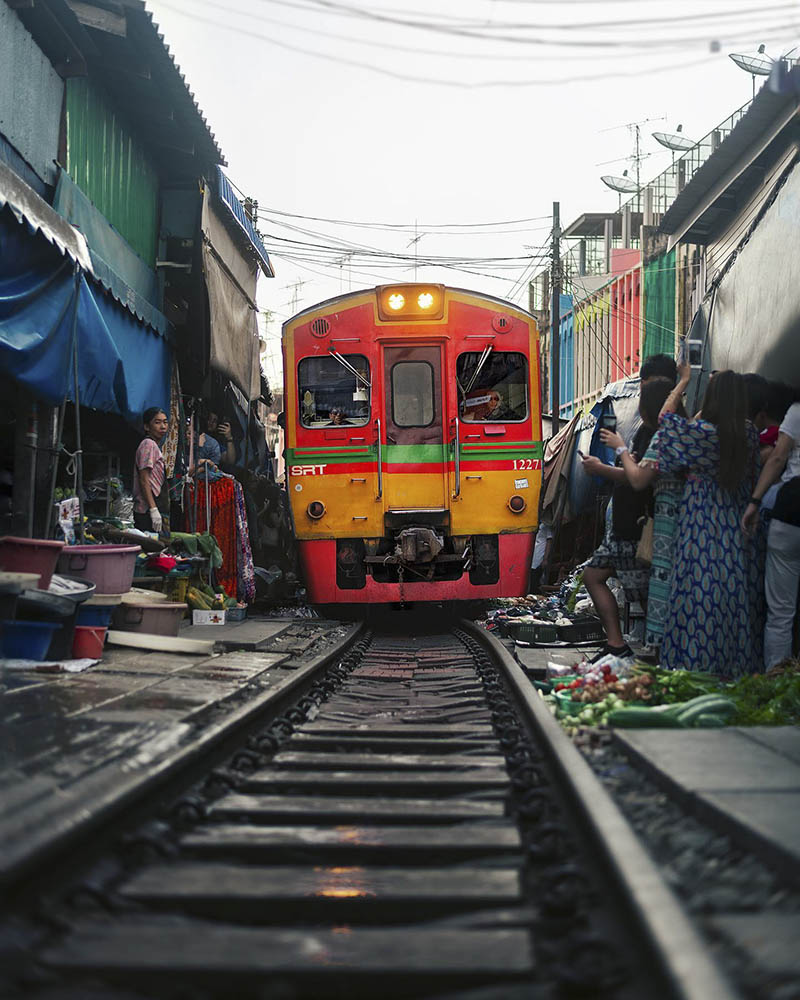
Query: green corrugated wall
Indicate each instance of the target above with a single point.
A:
(659, 306)
(111, 168)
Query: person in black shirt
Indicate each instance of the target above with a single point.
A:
(617, 554)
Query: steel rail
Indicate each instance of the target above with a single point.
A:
(31, 852)
(676, 945)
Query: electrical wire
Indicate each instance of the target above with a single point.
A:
(615, 43)
(618, 25)
(649, 70)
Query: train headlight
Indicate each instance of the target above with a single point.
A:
(315, 510)
(517, 504)
(406, 303)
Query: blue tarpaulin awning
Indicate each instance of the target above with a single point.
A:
(46, 301)
(237, 213)
(115, 264)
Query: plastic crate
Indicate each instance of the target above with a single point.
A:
(537, 633)
(235, 614)
(589, 630)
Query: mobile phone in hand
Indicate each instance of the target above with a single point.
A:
(608, 421)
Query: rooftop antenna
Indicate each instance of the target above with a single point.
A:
(758, 65)
(636, 156)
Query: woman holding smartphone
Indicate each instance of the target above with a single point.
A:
(657, 398)
(617, 554)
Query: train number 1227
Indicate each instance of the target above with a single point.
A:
(526, 463)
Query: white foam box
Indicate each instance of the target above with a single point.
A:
(208, 618)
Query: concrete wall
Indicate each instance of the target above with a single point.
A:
(31, 96)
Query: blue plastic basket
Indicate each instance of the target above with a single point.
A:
(95, 615)
(26, 640)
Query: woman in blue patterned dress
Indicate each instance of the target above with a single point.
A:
(713, 621)
(657, 394)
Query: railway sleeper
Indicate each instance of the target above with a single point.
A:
(407, 841)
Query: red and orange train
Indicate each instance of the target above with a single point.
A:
(413, 445)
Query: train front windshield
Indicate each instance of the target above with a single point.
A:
(334, 390)
(493, 387)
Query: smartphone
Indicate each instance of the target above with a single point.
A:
(691, 351)
(581, 454)
(608, 422)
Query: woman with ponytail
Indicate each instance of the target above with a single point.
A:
(715, 611)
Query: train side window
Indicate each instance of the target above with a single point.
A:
(495, 391)
(333, 392)
(412, 394)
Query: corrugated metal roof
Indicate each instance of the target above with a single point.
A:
(180, 82)
(237, 213)
(137, 66)
(767, 116)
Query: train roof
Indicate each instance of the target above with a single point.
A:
(366, 291)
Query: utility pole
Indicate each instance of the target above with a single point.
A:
(415, 243)
(555, 318)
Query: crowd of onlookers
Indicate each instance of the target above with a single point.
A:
(703, 525)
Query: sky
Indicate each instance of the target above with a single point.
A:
(447, 127)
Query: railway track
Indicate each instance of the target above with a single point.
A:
(415, 826)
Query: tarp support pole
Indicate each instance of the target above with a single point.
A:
(51, 510)
(78, 443)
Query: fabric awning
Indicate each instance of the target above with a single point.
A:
(45, 303)
(231, 283)
(30, 208)
(115, 263)
(240, 218)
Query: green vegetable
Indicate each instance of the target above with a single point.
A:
(707, 721)
(706, 705)
(766, 701)
(641, 718)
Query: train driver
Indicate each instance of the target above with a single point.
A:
(337, 417)
(488, 406)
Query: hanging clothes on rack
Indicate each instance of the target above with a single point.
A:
(229, 528)
(222, 526)
(245, 571)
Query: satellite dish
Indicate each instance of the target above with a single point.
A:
(755, 65)
(624, 185)
(675, 141)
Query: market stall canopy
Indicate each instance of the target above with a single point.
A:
(242, 220)
(29, 207)
(230, 277)
(47, 304)
(115, 264)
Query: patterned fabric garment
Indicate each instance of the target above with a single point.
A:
(223, 526)
(714, 621)
(667, 496)
(170, 446)
(245, 571)
(620, 556)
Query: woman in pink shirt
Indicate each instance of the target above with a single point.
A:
(150, 497)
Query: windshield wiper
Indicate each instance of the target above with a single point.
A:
(353, 371)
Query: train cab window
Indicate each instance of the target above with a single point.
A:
(492, 386)
(334, 391)
(412, 394)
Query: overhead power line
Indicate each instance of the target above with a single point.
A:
(400, 225)
(649, 70)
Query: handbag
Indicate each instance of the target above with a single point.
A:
(644, 550)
